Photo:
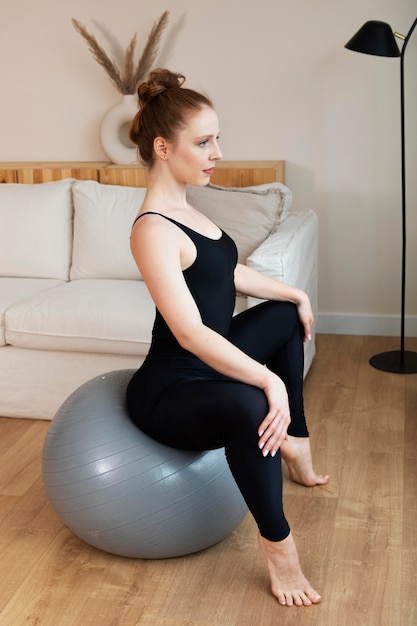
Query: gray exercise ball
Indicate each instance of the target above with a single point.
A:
(124, 493)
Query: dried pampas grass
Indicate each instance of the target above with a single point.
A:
(127, 78)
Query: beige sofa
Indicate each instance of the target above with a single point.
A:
(72, 303)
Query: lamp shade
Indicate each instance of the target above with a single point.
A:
(375, 37)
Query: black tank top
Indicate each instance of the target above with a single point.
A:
(210, 280)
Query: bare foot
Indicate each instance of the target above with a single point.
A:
(288, 582)
(296, 453)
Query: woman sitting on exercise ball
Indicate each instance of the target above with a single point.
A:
(204, 383)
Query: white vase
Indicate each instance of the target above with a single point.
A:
(114, 129)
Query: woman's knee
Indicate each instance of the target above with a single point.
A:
(247, 409)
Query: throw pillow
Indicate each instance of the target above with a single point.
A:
(247, 214)
(103, 218)
(36, 229)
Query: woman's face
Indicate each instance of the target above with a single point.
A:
(193, 154)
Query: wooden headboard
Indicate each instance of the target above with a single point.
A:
(227, 173)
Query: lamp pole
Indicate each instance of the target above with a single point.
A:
(378, 38)
(403, 185)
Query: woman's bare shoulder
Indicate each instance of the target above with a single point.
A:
(150, 221)
(152, 230)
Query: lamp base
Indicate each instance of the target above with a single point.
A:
(397, 362)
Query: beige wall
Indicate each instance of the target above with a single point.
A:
(284, 87)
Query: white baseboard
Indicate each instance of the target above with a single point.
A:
(355, 324)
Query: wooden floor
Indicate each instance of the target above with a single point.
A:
(357, 537)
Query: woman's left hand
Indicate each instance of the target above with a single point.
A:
(305, 314)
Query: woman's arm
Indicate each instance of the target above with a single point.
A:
(161, 252)
(252, 283)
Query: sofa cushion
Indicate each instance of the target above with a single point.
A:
(247, 214)
(282, 255)
(103, 218)
(36, 229)
(90, 315)
(14, 290)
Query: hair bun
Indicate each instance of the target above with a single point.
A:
(159, 80)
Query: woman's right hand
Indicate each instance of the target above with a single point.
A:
(273, 429)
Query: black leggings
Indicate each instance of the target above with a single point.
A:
(208, 413)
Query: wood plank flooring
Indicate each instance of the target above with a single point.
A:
(357, 537)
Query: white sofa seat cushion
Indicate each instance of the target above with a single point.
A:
(36, 229)
(13, 290)
(108, 316)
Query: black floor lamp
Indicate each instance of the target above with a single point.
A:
(377, 38)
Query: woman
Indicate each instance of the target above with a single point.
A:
(204, 383)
